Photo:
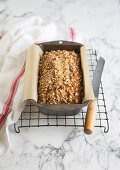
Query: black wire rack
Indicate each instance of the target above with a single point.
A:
(31, 117)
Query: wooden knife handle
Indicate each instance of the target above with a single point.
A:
(90, 117)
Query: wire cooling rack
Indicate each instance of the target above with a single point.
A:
(31, 117)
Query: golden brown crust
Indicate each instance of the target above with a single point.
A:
(60, 78)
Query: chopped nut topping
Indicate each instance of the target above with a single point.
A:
(60, 78)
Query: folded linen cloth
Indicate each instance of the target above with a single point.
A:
(13, 48)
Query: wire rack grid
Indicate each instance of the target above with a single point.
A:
(31, 117)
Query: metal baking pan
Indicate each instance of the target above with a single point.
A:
(61, 109)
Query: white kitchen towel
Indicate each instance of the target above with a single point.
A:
(13, 48)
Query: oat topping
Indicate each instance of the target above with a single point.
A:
(60, 78)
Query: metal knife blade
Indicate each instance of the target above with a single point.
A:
(97, 76)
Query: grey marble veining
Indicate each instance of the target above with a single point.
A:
(70, 148)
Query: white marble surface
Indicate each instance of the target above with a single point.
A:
(70, 148)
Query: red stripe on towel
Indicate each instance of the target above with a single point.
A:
(9, 103)
(72, 33)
